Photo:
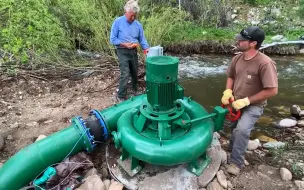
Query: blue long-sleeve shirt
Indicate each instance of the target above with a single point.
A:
(124, 32)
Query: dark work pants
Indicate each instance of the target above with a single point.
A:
(128, 65)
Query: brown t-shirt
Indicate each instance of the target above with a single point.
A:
(252, 76)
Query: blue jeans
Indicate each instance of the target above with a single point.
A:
(241, 133)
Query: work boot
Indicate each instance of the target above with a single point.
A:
(118, 99)
(233, 169)
(135, 93)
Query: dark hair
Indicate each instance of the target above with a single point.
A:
(258, 45)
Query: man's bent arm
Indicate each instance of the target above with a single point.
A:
(229, 83)
(263, 95)
(114, 34)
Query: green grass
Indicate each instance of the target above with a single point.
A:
(190, 33)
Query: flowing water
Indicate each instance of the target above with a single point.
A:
(204, 79)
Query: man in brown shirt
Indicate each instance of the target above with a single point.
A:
(251, 80)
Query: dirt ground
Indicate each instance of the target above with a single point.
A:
(31, 107)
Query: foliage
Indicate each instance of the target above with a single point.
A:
(297, 170)
(192, 32)
(258, 2)
(32, 29)
(160, 25)
(28, 28)
(301, 9)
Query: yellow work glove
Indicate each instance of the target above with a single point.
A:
(241, 103)
(227, 95)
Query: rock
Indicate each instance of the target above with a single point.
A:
(229, 184)
(285, 174)
(217, 135)
(1, 164)
(222, 178)
(40, 137)
(300, 123)
(253, 144)
(1, 142)
(9, 137)
(91, 172)
(299, 142)
(48, 121)
(299, 184)
(301, 114)
(107, 183)
(233, 16)
(224, 157)
(32, 124)
(246, 163)
(301, 51)
(295, 110)
(214, 186)
(92, 183)
(15, 125)
(264, 176)
(274, 145)
(300, 135)
(104, 173)
(286, 123)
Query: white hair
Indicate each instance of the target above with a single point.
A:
(132, 5)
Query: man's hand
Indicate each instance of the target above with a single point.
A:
(129, 45)
(227, 96)
(241, 103)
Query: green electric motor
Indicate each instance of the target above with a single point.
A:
(162, 84)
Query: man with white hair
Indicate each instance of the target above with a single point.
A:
(127, 34)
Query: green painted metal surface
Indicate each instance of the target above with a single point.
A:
(29, 162)
(183, 149)
(112, 113)
(162, 82)
(162, 69)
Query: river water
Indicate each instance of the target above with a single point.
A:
(204, 79)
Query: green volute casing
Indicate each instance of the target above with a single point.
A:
(174, 151)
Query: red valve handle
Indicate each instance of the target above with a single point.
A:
(232, 116)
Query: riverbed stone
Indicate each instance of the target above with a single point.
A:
(214, 185)
(224, 157)
(300, 123)
(299, 184)
(295, 110)
(301, 114)
(40, 137)
(253, 144)
(286, 123)
(266, 177)
(221, 177)
(104, 173)
(285, 174)
(107, 183)
(92, 183)
(92, 171)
